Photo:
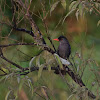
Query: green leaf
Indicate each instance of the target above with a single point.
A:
(53, 6)
(18, 78)
(97, 5)
(2, 78)
(30, 84)
(72, 4)
(63, 2)
(77, 14)
(31, 61)
(68, 15)
(91, 10)
(49, 68)
(81, 9)
(38, 61)
(20, 85)
(7, 95)
(59, 61)
(40, 70)
(98, 23)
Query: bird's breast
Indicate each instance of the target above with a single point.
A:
(64, 50)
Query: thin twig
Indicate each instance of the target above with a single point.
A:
(42, 45)
(1, 55)
(51, 43)
(75, 77)
(15, 44)
(3, 74)
(46, 26)
(3, 71)
(24, 30)
(32, 22)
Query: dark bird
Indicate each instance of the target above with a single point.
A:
(64, 50)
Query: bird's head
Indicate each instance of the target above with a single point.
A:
(61, 38)
(64, 48)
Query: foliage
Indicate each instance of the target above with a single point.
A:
(26, 32)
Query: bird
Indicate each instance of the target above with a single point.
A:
(64, 49)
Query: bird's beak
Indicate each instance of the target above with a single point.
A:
(56, 39)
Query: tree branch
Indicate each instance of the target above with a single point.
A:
(24, 30)
(42, 45)
(7, 45)
(3, 74)
(1, 55)
(25, 71)
(32, 22)
(76, 78)
(52, 43)
(3, 71)
(68, 70)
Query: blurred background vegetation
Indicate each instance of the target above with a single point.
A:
(80, 26)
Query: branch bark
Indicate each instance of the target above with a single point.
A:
(2, 56)
(7, 45)
(44, 47)
(37, 33)
(75, 77)
(32, 22)
(68, 70)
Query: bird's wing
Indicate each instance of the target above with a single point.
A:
(64, 61)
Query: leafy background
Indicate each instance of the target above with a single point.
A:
(78, 23)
